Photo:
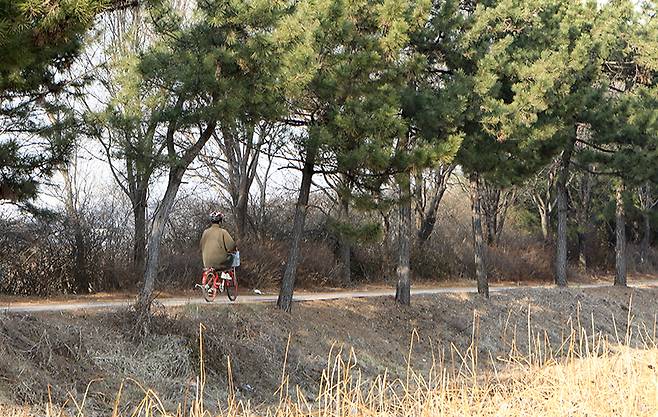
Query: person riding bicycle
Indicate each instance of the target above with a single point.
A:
(217, 245)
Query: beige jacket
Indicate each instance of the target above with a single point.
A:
(216, 244)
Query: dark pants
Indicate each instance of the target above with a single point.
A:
(227, 264)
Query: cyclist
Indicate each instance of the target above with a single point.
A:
(217, 245)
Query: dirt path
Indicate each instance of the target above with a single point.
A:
(20, 307)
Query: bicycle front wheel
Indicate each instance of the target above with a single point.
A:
(210, 294)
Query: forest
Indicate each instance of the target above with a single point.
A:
(349, 141)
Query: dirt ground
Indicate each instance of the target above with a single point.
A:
(66, 352)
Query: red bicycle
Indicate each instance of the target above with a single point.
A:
(215, 281)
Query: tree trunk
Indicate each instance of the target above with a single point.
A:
(249, 166)
(428, 221)
(241, 214)
(489, 201)
(242, 155)
(80, 274)
(177, 170)
(646, 237)
(582, 205)
(478, 238)
(491, 230)
(582, 244)
(620, 230)
(494, 203)
(284, 301)
(155, 239)
(562, 213)
(139, 241)
(544, 199)
(429, 216)
(345, 246)
(545, 219)
(403, 289)
(262, 185)
(490, 221)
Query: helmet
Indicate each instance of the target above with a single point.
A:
(216, 217)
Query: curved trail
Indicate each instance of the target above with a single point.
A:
(53, 307)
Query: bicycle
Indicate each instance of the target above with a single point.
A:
(214, 281)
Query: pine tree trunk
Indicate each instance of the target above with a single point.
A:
(139, 241)
(646, 237)
(562, 213)
(403, 289)
(154, 242)
(620, 231)
(478, 238)
(284, 301)
(81, 274)
(241, 215)
(345, 246)
(177, 170)
(489, 206)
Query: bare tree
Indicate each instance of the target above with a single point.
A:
(580, 196)
(542, 192)
(71, 198)
(262, 179)
(620, 234)
(127, 124)
(232, 161)
(494, 203)
(648, 200)
(80, 272)
(403, 289)
(428, 193)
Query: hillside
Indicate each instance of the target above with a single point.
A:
(66, 352)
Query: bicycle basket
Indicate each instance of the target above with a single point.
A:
(236, 259)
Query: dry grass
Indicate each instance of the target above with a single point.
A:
(588, 374)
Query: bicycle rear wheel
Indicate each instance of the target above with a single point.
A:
(232, 287)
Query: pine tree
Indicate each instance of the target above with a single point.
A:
(625, 136)
(38, 43)
(346, 69)
(537, 84)
(433, 100)
(506, 129)
(214, 67)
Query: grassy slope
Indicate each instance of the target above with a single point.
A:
(66, 352)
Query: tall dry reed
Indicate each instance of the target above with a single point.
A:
(586, 375)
